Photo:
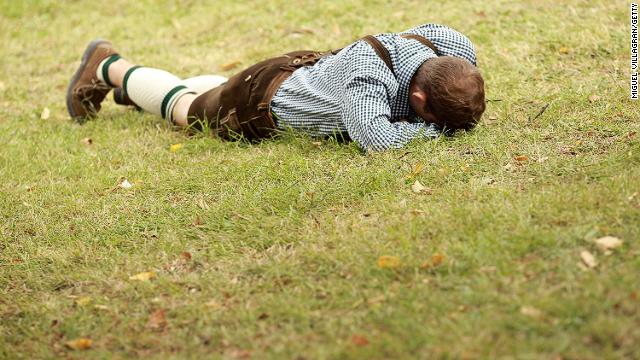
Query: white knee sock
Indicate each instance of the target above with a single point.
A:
(154, 90)
(204, 83)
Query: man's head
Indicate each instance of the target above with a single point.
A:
(449, 92)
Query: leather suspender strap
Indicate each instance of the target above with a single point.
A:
(424, 41)
(382, 51)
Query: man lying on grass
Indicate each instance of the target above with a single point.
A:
(381, 92)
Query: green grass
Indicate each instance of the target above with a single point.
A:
(287, 233)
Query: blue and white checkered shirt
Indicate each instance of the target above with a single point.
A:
(354, 92)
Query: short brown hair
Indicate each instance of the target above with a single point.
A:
(455, 91)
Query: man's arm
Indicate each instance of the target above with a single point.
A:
(366, 114)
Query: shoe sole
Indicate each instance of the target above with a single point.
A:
(74, 79)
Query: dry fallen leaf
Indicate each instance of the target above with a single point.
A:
(175, 147)
(359, 340)
(213, 304)
(143, 276)
(436, 260)
(418, 188)
(85, 300)
(607, 243)
(530, 311)
(45, 113)
(417, 169)
(588, 259)
(79, 344)
(202, 204)
(230, 65)
(125, 184)
(157, 320)
(388, 262)
(240, 353)
(488, 181)
(521, 158)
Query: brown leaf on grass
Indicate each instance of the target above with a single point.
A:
(239, 353)
(336, 30)
(435, 260)
(588, 259)
(143, 276)
(213, 304)
(202, 204)
(124, 183)
(521, 158)
(418, 188)
(157, 320)
(359, 340)
(481, 14)
(388, 262)
(607, 243)
(176, 24)
(83, 301)
(593, 98)
(303, 30)
(79, 344)
(87, 141)
(44, 115)
(488, 181)
(230, 65)
(417, 169)
(186, 256)
(530, 311)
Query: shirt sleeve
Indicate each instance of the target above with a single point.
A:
(366, 112)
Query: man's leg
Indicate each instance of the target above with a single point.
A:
(199, 84)
(102, 69)
(154, 90)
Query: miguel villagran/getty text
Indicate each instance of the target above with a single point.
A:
(634, 51)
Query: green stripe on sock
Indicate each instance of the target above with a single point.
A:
(105, 68)
(165, 101)
(126, 77)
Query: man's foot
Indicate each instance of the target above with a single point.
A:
(86, 91)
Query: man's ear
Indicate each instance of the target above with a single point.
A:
(419, 97)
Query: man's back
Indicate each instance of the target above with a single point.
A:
(355, 92)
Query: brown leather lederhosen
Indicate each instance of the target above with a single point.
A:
(242, 105)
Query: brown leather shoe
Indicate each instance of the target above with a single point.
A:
(86, 91)
(121, 98)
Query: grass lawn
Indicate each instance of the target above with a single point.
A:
(305, 249)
